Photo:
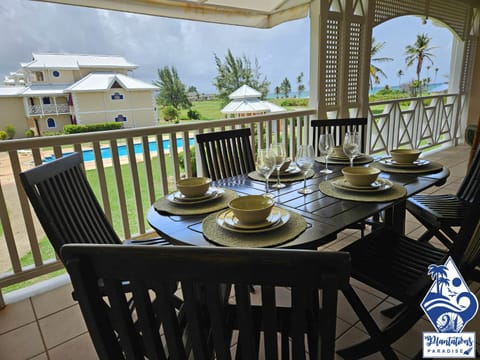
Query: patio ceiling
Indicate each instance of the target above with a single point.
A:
(252, 13)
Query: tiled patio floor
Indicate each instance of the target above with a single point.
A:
(49, 325)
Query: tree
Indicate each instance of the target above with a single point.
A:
(172, 91)
(300, 86)
(417, 53)
(375, 71)
(277, 91)
(400, 73)
(285, 87)
(438, 272)
(235, 72)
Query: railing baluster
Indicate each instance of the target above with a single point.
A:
(120, 189)
(132, 161)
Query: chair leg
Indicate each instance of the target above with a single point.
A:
(377, 341)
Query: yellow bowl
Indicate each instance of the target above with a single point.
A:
(193, 187)
(337, 152)
(286, 164)
(360, 176)
(251, 209)
(406, 156)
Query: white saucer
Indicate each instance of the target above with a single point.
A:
(178, 198)
(292, 170)
(277, 218)
(232, 221)
(415, 164)
(379, 185)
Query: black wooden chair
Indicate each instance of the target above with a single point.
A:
(213, 324)
(441, 213)
(66, 205)
(398, 266)
(338, 128)
(226, 153)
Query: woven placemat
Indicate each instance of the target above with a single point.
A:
(426, 169)
(361, 160)
(394, 193)
(284, 179)
(216, 234)
(164, 206)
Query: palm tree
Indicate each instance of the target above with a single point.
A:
(438, 272)
(418, 52)
(400, 73)
(375, 71)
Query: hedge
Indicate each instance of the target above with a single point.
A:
(75, 129)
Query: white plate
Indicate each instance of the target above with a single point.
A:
(379, 185)
(284, 216)
(292, 170)
(178, 198)
(415, 164)
(232, 221)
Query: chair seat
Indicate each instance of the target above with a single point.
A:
(393, 264)
(445, 209)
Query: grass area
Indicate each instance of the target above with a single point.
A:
(46, 248)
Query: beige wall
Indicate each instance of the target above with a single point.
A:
(59, 120)
(136, 106)
(12, 112)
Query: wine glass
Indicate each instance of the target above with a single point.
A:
(304, 160)
(265, 165)
(326, 143)
(280, 157)
(351, 145)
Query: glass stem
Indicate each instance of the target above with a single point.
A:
(326, 162)
(266, 185)
(305, 180)
(278, 176)
(351, 162)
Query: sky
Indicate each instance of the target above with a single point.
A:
(154, 42)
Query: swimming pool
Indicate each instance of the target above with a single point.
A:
(106, 152)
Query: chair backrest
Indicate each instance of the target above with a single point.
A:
(338, 128)
(471, 183)
(65, 203)
(465, 250)
(226, 153)
(212, 318)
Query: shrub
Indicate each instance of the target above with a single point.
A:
(29, 133)
(170, 113)
(294, 102)
(10, 131)
(193, 114)
(3, 135)
(181, 160)
(76, 129)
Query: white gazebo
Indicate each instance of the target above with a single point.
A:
(246, 102)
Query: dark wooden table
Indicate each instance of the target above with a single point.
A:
(326, 216)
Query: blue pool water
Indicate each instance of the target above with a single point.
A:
(122, 150)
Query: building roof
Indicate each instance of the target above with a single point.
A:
(99, 81)
(76, 61)
(250, 106)
(245, 92)
(11, 91)
(44, 90)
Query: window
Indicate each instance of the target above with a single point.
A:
(56, 73)
(38, 76)
(46, 100)
(120, 118)
(117, 96)
(51, 124)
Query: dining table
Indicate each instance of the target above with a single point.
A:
(323, 213)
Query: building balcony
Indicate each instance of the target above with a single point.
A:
(48, 109)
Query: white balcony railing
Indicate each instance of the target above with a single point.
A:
(147, 175)
(48, 109)
(151, 172)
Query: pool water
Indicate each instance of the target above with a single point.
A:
(106, 152)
